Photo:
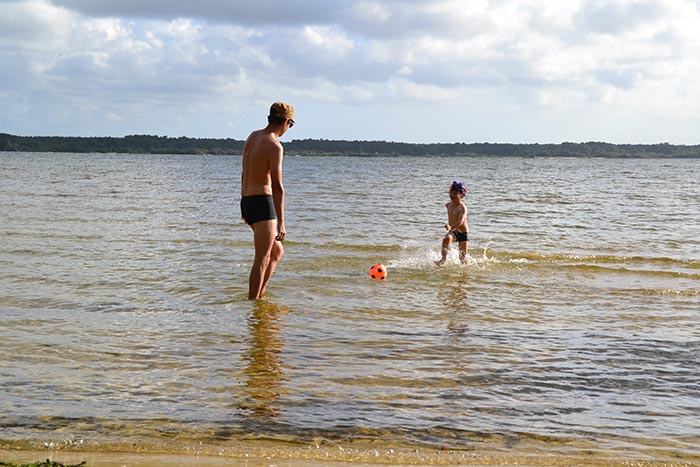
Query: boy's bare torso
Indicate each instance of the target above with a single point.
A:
(455, 214)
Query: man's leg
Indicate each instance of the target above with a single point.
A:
(275, 257)
(264, 238)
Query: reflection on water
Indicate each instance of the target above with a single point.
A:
(264, 371)
(455, 298)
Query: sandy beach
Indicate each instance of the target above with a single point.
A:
(310, 457)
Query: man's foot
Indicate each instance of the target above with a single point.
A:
(439, 262)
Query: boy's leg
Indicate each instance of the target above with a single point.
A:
(463, 250)
(264, 238)
(445, 248)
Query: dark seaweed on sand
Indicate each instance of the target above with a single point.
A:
(46, 463)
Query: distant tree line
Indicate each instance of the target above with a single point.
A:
(148, 144)
(132, 144)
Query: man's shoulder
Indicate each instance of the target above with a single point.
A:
(263, 142)
(268, 139)
(255, 134)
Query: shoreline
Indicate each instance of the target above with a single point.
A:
(143, 459)
(266, 454)
(365, 155)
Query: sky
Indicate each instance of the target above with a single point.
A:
(417, 71)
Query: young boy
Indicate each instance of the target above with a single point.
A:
(457, 229)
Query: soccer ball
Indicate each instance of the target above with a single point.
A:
(377, 271)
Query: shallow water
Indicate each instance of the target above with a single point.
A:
(575, 327)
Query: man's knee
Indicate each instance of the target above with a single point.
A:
(277, 252)
(263, 261)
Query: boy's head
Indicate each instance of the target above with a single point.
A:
(459, 188)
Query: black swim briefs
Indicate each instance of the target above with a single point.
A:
(460, 236)
(257, 208)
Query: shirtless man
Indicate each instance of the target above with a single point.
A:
(457, 229)
(262, 202)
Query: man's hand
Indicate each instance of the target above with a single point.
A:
(282, 234)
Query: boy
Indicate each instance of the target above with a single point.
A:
(457, 229)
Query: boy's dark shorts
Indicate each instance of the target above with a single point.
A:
(460, 236)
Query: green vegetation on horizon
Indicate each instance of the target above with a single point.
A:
(148, 144)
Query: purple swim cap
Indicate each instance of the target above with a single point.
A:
(459, 187)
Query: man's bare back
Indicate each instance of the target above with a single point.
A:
(260, 150)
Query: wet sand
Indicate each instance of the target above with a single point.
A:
(306, 459)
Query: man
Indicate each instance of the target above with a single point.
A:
(262, 191)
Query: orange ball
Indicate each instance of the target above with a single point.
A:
(377, 271)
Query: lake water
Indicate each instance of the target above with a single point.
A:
(574, 330)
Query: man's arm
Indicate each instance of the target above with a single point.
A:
(278, 190)
(244, 163)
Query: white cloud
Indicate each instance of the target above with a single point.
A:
(370, 12)
(33, 25)
(327, 41)
(618, 16)
(182, 67)
(260, 12)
